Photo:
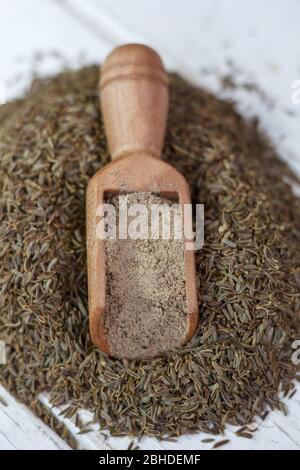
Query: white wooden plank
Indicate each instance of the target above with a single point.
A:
(29, 27)
(21, 430)
(277, 432)
(261, 38)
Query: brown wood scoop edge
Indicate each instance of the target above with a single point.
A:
(134, 101)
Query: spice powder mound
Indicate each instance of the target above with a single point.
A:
(235, 367)
(146, 311)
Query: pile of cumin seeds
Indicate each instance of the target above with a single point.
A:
(235, 368)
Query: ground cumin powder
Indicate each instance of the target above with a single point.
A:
(239, 362)
(146, 312)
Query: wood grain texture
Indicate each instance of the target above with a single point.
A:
(21, 430)
(134, 101)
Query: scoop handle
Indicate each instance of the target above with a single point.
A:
(134, 100)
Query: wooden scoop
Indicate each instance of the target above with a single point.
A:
(134, 102)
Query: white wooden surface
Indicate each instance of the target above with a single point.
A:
(258, 42)
(20, 429)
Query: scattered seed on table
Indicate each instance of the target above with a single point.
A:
(248, 272)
